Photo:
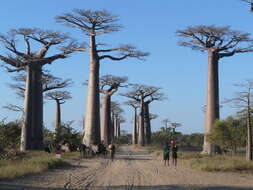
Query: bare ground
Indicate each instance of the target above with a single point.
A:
(131, 169)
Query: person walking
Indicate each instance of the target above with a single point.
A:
(112, 151)
(166, 154)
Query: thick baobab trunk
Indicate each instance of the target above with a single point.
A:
(92, 117)
(249, 136)
(134, 136)
(212, 106)
(106, 128)
(58, 121)
(141, 138)
(147, 128)
(38, 109)
(26, 132)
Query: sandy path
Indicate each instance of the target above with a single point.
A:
(132, 169)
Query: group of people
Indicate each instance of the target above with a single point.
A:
(170, 149)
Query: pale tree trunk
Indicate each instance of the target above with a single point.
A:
(58, 121)
(134, 136)
(112, 127)
(118, 130)
(249, 136)
(106, 127)
(115, 125)
(212, 106)
(38, 109)
(147, 126)
(141, 139)
(92, 117)
(27, 115)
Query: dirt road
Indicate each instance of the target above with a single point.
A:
(131, 169)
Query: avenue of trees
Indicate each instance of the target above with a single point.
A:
(93, 24)
(29, 50)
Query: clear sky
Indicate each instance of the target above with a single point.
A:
(151, 26)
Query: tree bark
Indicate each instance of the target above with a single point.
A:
(249, 135)
(134, 136)
(37, 125)
(212, 106)
(141, 139)
(92, 117)
(112, 128)
(118, 129)
(147, 127)
(106, 128)
(58, 121)
(26, 131)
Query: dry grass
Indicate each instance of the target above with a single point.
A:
(221, 163)
(30, 162)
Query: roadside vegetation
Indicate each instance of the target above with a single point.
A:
(14, 163)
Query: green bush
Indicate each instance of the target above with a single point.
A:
(10, 135)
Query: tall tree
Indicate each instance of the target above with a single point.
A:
(49, 82)
(117, 112)
(108, 86)
(59, 97)
(219, 42)
(38, 42)
(135, 105)
(243, 100)
(166, 123)
(119, 121)
(144, 95)
(94, 23)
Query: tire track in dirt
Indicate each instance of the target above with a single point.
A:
(131, 169)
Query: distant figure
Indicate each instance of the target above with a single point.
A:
(174, 154)
(166, 154)
(102, 148)
(112, 151)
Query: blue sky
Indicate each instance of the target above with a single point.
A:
(151, 26)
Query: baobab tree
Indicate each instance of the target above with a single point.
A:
(94, 23)
(152, 116)
(120, 120)
(144, 95)
(135, 105)
(32, 59)
(59, 97)
(166, 123)
(49, 82)
(243, 100)
(174, 125)
(109, 84)
(117, 112)
(219, 42)
(250, 2)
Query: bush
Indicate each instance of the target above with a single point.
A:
(10, 135)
